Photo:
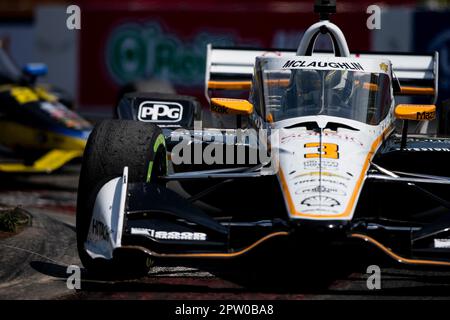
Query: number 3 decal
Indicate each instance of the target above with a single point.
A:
(327, 150)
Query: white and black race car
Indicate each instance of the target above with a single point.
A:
(314, 155)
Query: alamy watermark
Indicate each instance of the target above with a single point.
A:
(73, 281)
(73, 21)
(231, 146)
(374, 279)
(374, 20)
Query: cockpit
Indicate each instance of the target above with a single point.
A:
(361, 95)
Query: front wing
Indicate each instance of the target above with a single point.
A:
(155, 220)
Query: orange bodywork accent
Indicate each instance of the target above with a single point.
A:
(395, 256)
(244, 85)
(278, 82)
(216, 255)
(232, 254)
(230, 85)
(231, 106)
(352, 200)
(370, 86)
(366, 85)
(415, 111)
(417, 91)
(326, 150)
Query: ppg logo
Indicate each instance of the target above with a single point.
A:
(158, 111)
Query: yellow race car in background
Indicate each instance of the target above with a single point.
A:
(37, 128)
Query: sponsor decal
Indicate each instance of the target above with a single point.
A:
(310, 133)
(320, 201)
(322, 64)
(170, 235)
(324, 164)
(425, 115)
(323, 211)
(428, 140)
(442, 243)
(424, 149)
(321, 189)
(59, 112)
(306, 181)
(218, 109)
(320, 173)
(99, 231)
(340, 183)
(293, 136)
(342, 136)
(329, 181)
(384, 67)
(156, 111)
(149, 50)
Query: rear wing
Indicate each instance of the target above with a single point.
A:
(232, 69)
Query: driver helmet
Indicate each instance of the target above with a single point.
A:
(308, 85)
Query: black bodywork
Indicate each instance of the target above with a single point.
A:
(402, 218)
(403, 208)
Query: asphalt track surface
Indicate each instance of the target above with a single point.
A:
(33, 264)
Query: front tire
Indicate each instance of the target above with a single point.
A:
(112, 145)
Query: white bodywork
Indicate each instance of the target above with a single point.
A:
(318, 187)
(323, 188)
(105, 230)
(322, 172)
(315, 185)
(311, 36)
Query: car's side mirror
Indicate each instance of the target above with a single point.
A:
(35, 69)
(231, 106)
(418, 112)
